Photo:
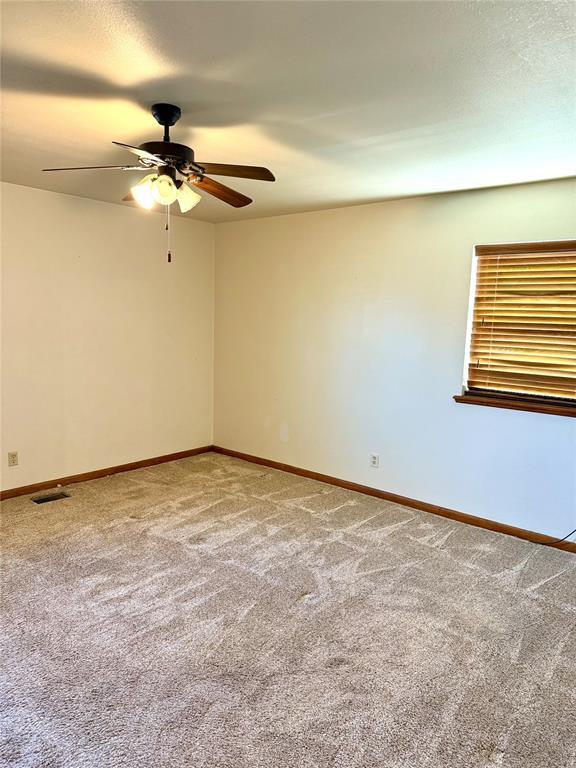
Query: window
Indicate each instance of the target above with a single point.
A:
(522, 328)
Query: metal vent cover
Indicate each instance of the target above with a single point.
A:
(50, 497)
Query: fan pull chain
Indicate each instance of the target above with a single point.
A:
(168, 231)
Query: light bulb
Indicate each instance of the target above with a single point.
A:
(142, 192)
(164, 190)
(187, 198)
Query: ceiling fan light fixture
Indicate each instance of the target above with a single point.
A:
(164, 191)
(143, 191)
(187, 198)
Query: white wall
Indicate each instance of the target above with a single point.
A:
(338, 333)
(107, 350)
(342, 332)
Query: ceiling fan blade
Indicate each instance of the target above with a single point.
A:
(154, 159)
(240, 171)
(101, 168)
(230, 196)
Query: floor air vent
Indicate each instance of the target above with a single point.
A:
(50, 497)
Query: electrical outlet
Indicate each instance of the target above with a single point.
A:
(12, 458)
(375, 460)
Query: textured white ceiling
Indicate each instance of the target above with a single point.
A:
(346, 102)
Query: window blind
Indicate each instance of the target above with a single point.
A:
(523, 337)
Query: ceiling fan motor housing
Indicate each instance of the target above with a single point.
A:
(178, 155)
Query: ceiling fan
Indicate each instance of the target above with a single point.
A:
(168, 160)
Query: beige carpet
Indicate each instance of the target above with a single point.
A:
(215, 614)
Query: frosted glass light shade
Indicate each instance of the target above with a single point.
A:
(187, 198)
(164, 190)
(142, 192)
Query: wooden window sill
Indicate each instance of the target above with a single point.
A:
(518, 404)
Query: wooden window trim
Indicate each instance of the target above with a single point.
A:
(556, 406)
(553, 246)
(518, 403)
